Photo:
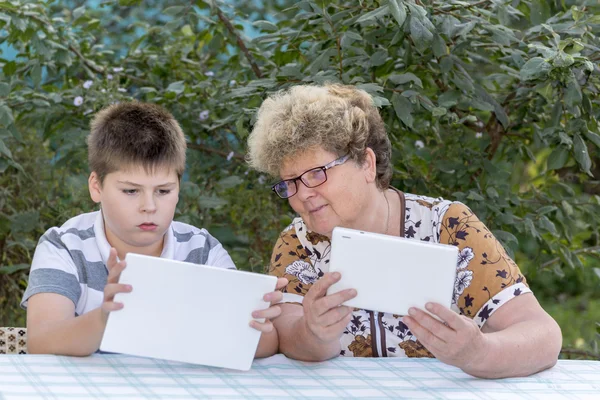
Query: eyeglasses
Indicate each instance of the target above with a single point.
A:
(311, 178)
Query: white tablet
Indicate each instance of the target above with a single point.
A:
(390, 273)
(187, 312)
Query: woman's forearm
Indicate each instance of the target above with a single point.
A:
(268, 344)
(77, 336)
(520, 350)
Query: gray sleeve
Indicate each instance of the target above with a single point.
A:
(52, 271)
(211, 253)
(50, 280)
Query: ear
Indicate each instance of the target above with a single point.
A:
(369, 166)
(95, 187)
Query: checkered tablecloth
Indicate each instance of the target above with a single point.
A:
(113, 376)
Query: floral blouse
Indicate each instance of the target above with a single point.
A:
(486, 276)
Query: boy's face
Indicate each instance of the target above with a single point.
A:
(138, 207)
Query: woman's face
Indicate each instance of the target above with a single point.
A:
(338, 201)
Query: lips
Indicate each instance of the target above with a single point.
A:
(317, 209)
(148, 226)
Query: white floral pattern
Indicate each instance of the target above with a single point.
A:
(464, 258)
(303, 271)
(463, 280)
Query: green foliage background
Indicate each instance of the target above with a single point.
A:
(493, 103)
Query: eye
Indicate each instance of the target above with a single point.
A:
(164, 191)
(129, 191)
(315, 175)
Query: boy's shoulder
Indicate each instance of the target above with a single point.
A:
(191, 237)
(81, 222)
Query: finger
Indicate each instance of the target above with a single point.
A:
(113, 288)
(336, 329)
(112, 259)
(333, 316)
(273, 297)
(319, 289)
(427, 338)
(324, 304)
(264, 327)
(269, 313)
(281, 283)
(115, 272)
(110, 306)
(453, 320)
(434, 326)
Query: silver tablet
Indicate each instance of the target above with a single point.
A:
(392, 274)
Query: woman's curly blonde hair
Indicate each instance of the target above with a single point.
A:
(340, 119)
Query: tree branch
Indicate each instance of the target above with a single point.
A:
(575, 352)
(594, 249)
(211, 150)
(239, 42)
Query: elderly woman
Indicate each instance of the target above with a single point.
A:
(329, 147)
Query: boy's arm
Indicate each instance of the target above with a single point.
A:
(53, 328)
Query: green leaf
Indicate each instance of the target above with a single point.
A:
(438, 111)
(548, 225)
(4, 149)
(422, 38)
(36, 75)
(558, 158)
(546, 210)
(449, 98)
(241, 130)
(6, 116)
(210, 202)
(9, 68)
(475, 196)
(373, 15)
(556, 114)
(371, 88)
(594, 138)
(78, 12)
(174, 10)
(24, 222)
(4, 89)
(535, 68)
(581, 154)
(379, 58)
(498, 109)
(506, 237)
(321, 61)
(11, 269)
(265, 26)
(404, 78)
(398, 10)
(539, 11)
(230, 182)
(403, 109)
(176, 87)
(573, 94)
(439, 46)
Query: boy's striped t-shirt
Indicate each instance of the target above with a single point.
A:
(71, 260)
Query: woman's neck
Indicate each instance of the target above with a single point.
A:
(379, 213)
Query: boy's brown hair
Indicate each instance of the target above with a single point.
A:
(131, 134)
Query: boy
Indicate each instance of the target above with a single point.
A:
(136, 153)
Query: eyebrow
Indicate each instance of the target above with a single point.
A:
(295, 176)
(167, 184)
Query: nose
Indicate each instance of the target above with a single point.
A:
(303, 192)
(148, 203)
